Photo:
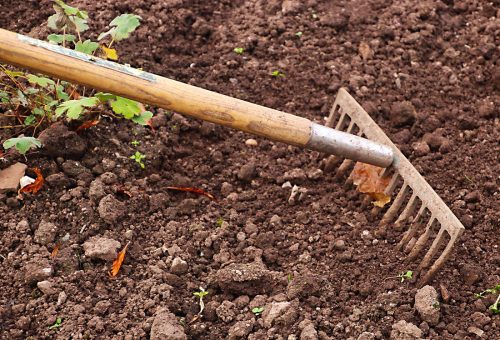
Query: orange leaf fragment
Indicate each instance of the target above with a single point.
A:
(368, 180)
(55, 251)
(115, 268)
(34, 187)
(194, 191)
(88, 124)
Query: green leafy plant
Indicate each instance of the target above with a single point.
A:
(407, 275)
(257, 310)
(299, 34)
(239, 50)
(57, 324)
(22, 144)
(201, 294)
(277, 73)
(135, 143)
(33, 101)
(138, 157)
(219, 222)
(494, 308)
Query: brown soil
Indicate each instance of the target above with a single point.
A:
(439, 57)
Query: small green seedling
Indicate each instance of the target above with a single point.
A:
(22, 144)
(289, 277)
(257, 310)
(138, 157)
(201, 294)
(219, 222)
(494, 308)
(239, 50)
(408, 275)
(277, 73)
(299, 34)
(135, 143)
(57, 324)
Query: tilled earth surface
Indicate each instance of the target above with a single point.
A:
(320, 266)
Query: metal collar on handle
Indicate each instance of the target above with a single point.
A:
(334, 142)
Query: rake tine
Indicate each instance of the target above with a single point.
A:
(410, 233)
(333, 114)
(398, 201)
(432, 250)
(419, 245)
(439, 263)
(408, 210)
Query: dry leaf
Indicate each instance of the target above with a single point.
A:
(109, 53)
(55, 251)
(34, 187)
(368, 180)
(88, 124)
(194, 191)
(118, 262)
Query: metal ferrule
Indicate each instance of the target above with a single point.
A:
(334, 142)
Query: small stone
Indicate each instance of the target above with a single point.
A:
(241, 329)
(291, 6)
(58, 180)
(226, 311)
(427, 305)
(272, 311)
(476, 331)
(286, 185)
(101, 248)
(166, 327)
(46, 233)
(73, 168)
(102, 307)
(46, 287)
(470, 273)
(12, 202)
(309, 332)
(303, 285)
(403, 113)
(295, 175)
(251, 142)
(473, 197)
(37, 269)
(315, 174)
(111, 210)
(61, 298)
(10, 177)
(246, 279)
(339, 245)
(479, 319)
(403, 330)
(179, 266)
(445, 293)
(421, 148)
(226, 189)
(247, 172)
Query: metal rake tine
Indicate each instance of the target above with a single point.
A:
(432, 250)
(419, 245)
(398, 201)
(407, 211)
(410, 233)
(429, 275)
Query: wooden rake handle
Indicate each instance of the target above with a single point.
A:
(193, 101)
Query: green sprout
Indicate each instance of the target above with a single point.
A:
(299, 34)
(494, 308)
(22, 144)
(219, 222)
(408, 275)
(138, 157)
(289, 277)
(201, 294)
(239, 50)
(277, 73)
(57, 324)
(257, 310)
(135, 143)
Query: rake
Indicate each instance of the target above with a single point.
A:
(350, 134)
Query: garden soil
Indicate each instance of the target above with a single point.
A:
(320, 267)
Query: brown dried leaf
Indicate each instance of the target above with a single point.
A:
(368, 180)
(55, 251)
(88, 124)
(194, 191)
(34, 187)
(115, 268)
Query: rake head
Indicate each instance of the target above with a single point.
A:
(433, 226)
